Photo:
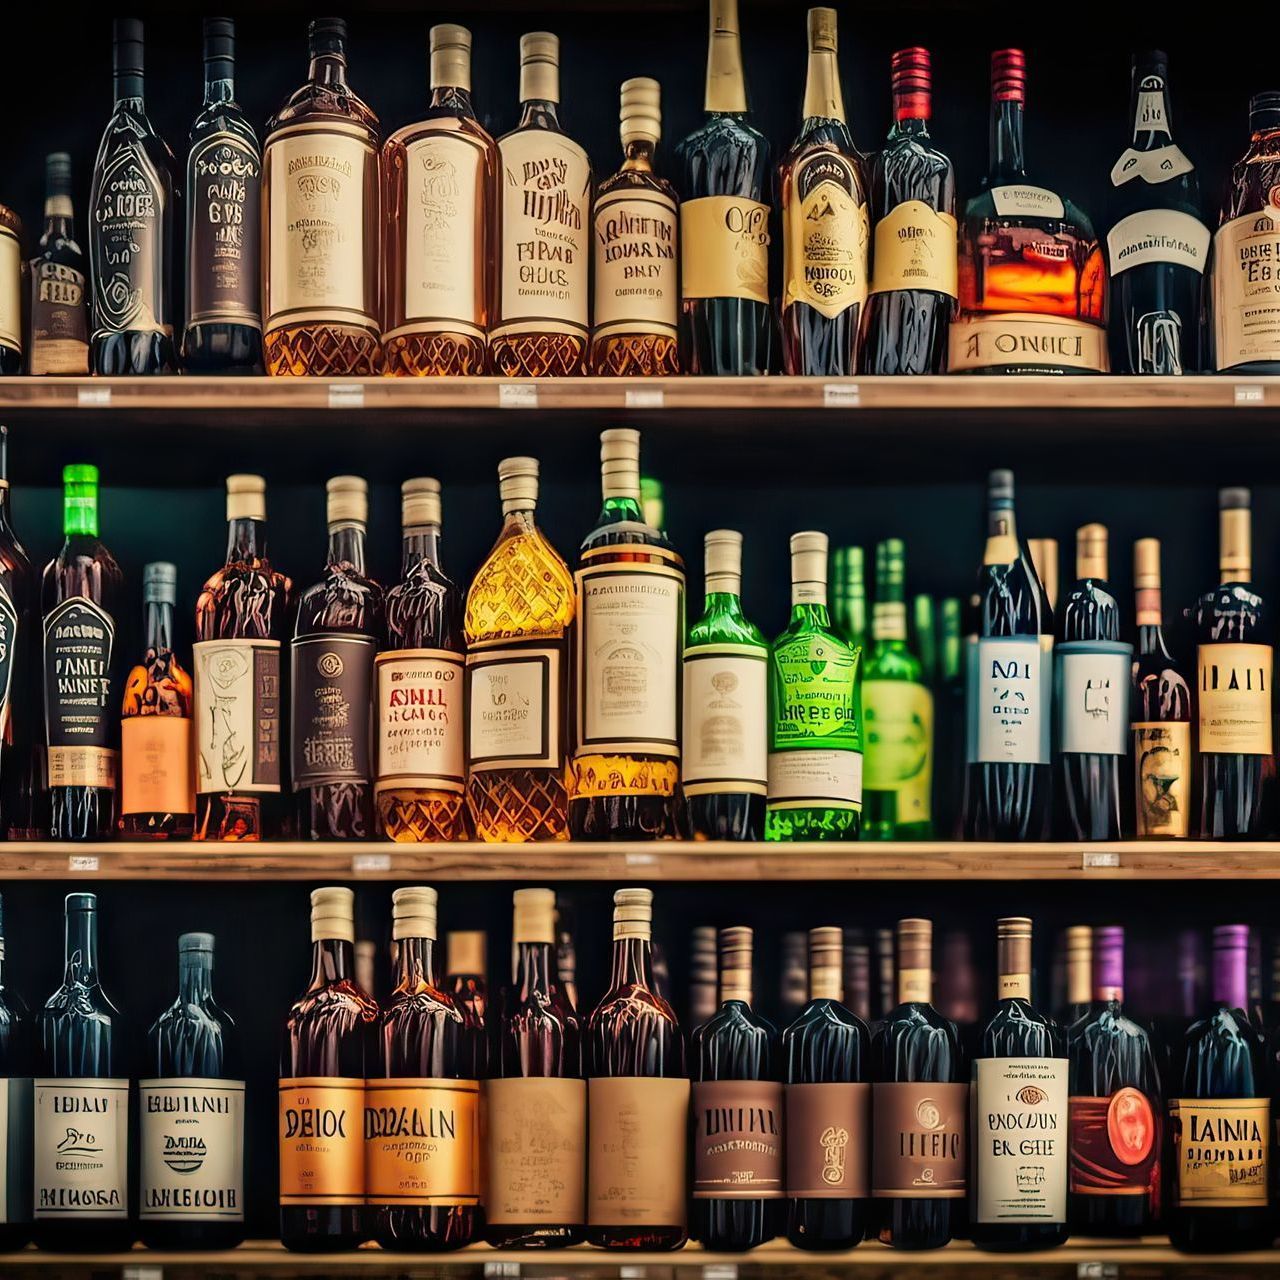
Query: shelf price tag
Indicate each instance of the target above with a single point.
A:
(517, 395)
(638, 861)
(80, 862)
(1250, 393)
(840, 395)
(93, 397)
(1095, 859)
(346, 395)
(367, 863)
(643, 397)
(1097, 1271)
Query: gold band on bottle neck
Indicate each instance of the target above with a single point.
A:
(1146, 581)
(915, 961)
(246, 498)
(726, 86)
(539, 67)
(1079, 945)
(1091, 552)
(1235, 558)
(735, 964)
(1013, 958)
(348, 501)
(633, 914)
(823, 99)
(641, 114)
(450, 56)
(1044, 556)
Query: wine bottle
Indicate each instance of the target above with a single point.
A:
(704, 978)
(1044, 555)
(737, 1112)
(857, 973)
(192, 1107)
(849, 596)
(1077, 951)
(793, 975)
(958, 999)
(16, 1062)
(466, 969)
(58, 277)
(828, 1109)
(566, 953)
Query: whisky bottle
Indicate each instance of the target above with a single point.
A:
(541, 321)
(630, 606)
(440, 177)
(321, 222)
(59, 282)
(131, 228)
(421, 729)
(518, 612)
(634, 323)
(826, 223)
(10, 291)
(466, 976)
(224, 221)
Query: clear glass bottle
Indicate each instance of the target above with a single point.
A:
(59, 282)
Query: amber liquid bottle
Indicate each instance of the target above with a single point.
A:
(240, 623)
(59, 282)
(466, 973)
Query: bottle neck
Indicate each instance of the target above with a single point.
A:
(722, 604)
(632, 963)
(1231, 978)
(346, 546)
(823, 100)
(618, 507)
(535, 968)
(332, 960)
(452, 97)
(80, 516)
(81, 948)
(416, 964)
(1002, 537)
(195, 977)
(246, 540)
(128, 87)
(539, 113)
(159, 626)
(1152, 117)
(420, 543)
(328, 67)
(726, 86)
(219, 81)
(638, 155)
(910, 127)
(1008, 163)
(1013, 970)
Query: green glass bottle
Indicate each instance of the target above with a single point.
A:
(924, 638)
(849, 595)
(815, 713)
(897, 716)
(949, 730)
(653, 503)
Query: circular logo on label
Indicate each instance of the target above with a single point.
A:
(724, 682)
(928, 1114)
(329, 665)
(1031, 1095)
(1131, 1126)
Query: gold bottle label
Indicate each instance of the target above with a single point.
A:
(724, 248)
(635, 259)
(536, 1149)
(1223, 1148)
(915, 248)
(826, 235)
(155, 765)
(1235, 698)
(1246, 304)
(422, 1142)
(1016, 339)
(321, 1134)
(10, 289)
(1162, 765)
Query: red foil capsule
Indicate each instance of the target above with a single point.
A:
(912, 77)
(1009, 75)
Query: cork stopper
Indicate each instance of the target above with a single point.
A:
(809, 568)
(822, 31)
(420, 503)
(539, 67)
(641, 114)
(518, 484)
(1013, 958)
(348, 501)
(1235, 561)
(723, 552)
(333, 914)
(465, 951)
(450, 56)
(620, 463)
(535, 915)
(915, 961)
(826, 964)
(633, 914)
(413, 913)
(1091, 552)
(735, 964)
(1079, 947)
(246, 498)
(1044, 556)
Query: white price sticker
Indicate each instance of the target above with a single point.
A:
(1250, 393)
(1096, 858)
(93, 397)
(517, 395)
(636, 861)
(346, 395)
(82, 862)
(840, 395)
(366, 863)
(643, 397)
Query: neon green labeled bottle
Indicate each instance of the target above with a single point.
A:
(849, 595)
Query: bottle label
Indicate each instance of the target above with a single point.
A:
(59, 320)
(513, 708)
(635, 247)
(918, 1147)
(828, 1143)
(536, 1130)
(1158, 235)
(1022, 200)
(826, 235)
(1093, 679)
(420, 720)
(726, 700)
(80, 707)
(237, 711)
(155, 765)
(331, 677)
(1025, 342)
(915, 248)
(1154, 167)
(224, 182)
(1010, 693)
(815, 704)
(637, 1133)
(1115, 1146)
(15, 1149)
(10, 289)
(1235, 698)
(546, 208)
(422, 1142)
(1246, 303)
(1162, 762)
(321, 1141)
(799, 779)
(192, 1150)
(737, 1140)
(81, 1148)
(317, 174)
(1020, 1139)
(724, 248)
(898, 727)
(1222, 1151)
(630, 630)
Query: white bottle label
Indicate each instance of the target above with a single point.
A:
(237, 715)
(1023, 200)
(1010, 691)
(513, 705)
(1246, 301)
(420, 719)
(192, 1137)
(725, 719)
(1093, 696)
(81, 1149)
(811, 779)
(1153, 167)
(1158, 235)
(637, 289)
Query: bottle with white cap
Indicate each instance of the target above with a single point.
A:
(815, 713)
(627, 663)
(337, 630)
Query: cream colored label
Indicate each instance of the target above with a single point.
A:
(1013, 986)
(420, 719)
(725, 719)
(1158, 235)
(59, 356)
(536, 1151)
(825, 779)
(155, 765)
(1246, 302)
(422, 1142)
(1162, 768)
(637, 290)
(81, 1137)
(724, 248)
(192, 1137)
(1223, 1151)
(826, 235)
(10, 290)
(513, 701)
(1030, 342)
(915, 986)
(237, 715)
(915, 248)
(82, 767)
(1235, 698)
(1023, 200)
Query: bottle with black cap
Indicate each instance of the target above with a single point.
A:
(58, 338)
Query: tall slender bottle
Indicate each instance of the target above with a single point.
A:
(637, 1085)
(192, 1104)
(849, 595)
(924, 638)
(704, 978)
(1161, 711)
(81, 1184)
(16, 1065)
(1044, 556)
(1072, 1000)
(467, 973)
(59, 281)
(726, 660)
(421, 768)
(950, 730)
(726, 322)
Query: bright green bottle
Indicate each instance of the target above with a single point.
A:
(815, 716)
(924, 638)
(849, 595)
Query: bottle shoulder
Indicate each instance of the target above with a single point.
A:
(219, 119)
(637, 180)
(522, 590)
(132, 130)
(726, 628)
(314, 103)
(891, 662)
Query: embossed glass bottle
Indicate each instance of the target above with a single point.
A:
(59, 280)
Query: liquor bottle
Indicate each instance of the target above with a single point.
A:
(1233, 678)
(1044, 556)
(16, 1062)
(949, 723)
(81, 1187)
(1077, 950)
(1116, 1104)
(192, 1107)
(793, 974)
(637, 293)
(78, 597)
(421, 770)
(518, 612)
(958, 998)
(1009, 782)
(10, 291)
(920, 1105)
(923, 638)
(1093, 672)
(240, 623)
(704, 977)
(1158, 244)
(630, 602)
(321, 223)
(857, 973)
(913, 209)
(540, 327)
(1161, 711)
(886, 981)
(1220, 1117)
(131, 227)
(156, 800)
(1033, 284)
(725, 706)
(1018, 1196)
(897, 716)
(535, 1187)
(737, 1113)
(815, 720)
(635, 1064)
(58, 277)
(336, 631)
(422, 1100)
(726, 324)
(849, 596)
(440, 177)
(466, 967)
(653, 503)
(329, 1049)
(828, 1110)
(826, 223)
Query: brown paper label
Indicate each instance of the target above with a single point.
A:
(223, 199)
(724, 248)
(155, 765)
(536, 1151)
(1222, 1150)
(826, 235)
(635, 259)
(915, 248)
(1027, 342)
(422, 1142)
(1235, 698)
(321, 1140)
(828, 1143)
(59, 320)
(918, 1145)
(82, 767)
(1162, 765)
(737, 1140)
(1246, 275)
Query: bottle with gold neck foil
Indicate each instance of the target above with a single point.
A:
(439, 191)
(634, 245)
(1077, 972)
(58, 277)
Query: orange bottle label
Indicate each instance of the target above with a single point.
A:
(321, 1141)
(422, 1142)
(155, 765)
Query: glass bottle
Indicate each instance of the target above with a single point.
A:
(653, 503)
(440, 180)
(949, 723)
(1044, 558)
(849, 596)
(156, 800)
(16, 1064)
(1071, 1000)
(58, 278)
(240, 624)
(466, 973)
(566, 953)
(420, 678)
(857, 973)
(11, 282)
(704, 977)
(958, 986)
(923, 638)
(793, 974)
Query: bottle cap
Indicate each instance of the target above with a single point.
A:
(1146, 564)
(539, 67)
(57, 176)
(413, 913)
(1108, 963)
(467, 950)
(735, 963)
(535, 915)
(1264, 111)
(246, 498)
(450, 56)
(188, 942)
(620, 463)
(1000, 490)
(641, 113)
(160, 583)
(633, 913)
(333, 914)
(127, 46)
(80, 473)
(1234, 499)
(81, 902)
(219, 39)
(420, 502)
(826, 964)
(518, 484)
(809, 565)
(822, 31)
(723, 553)
(327, 35)
(1013, 951)
(1009, 75)
(348, 501)
(911, 73)
(1091, 552)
